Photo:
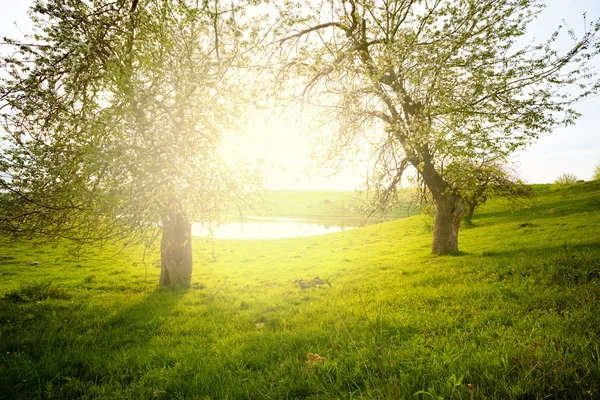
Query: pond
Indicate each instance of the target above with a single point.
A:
(276, 228)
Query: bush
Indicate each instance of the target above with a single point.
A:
(565, 179)
(596, 176)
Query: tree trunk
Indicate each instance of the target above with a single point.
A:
(469, 211)
(176, 251)
(450, 207)
(449, 211)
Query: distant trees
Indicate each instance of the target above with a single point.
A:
(114, 113)
(440, 80)
(566, 179)
(478, 180)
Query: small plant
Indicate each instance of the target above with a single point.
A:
(596, 176)
(565, 179)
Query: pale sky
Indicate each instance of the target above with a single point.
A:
(574, 149)
(287, 155)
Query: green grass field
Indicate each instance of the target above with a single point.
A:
(515, 316)
(326, 204)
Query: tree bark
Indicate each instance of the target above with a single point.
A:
(450, 207)
(176, 251)
(469, 211)
(449, 212)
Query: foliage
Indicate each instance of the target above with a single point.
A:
(517, 315)
(478, 180)
(432, 83)
(565, 179)
(114, 114)
(596, 175)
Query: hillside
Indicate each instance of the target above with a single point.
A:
(315, 204)
(516, 315)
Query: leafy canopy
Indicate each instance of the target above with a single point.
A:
(434, 82)
(114, 114)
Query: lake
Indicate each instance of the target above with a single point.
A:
(276, 228)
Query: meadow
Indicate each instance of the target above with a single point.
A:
(515, 315)
(327, 204)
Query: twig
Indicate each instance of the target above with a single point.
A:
(218, 290)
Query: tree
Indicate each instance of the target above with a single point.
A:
(596, 175)
(441, 80)
(478, 180)
(114, 116)
(566, 179)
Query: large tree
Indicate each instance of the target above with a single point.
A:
(441, 80)
(114, 112)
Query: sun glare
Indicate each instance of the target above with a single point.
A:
(283, 151)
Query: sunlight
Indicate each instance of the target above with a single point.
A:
(283, 150)
(195, 202)
(275, 228)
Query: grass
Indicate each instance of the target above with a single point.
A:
(327, 204)
(516, 315)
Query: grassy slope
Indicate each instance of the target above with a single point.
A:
(295, 203)
(517, 315)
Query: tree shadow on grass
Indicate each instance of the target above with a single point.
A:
(555, 209)
(543, 250)
(128, 340)
(459, 253)
(72, 358)
(141, 321)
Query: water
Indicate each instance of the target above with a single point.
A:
(276, 228)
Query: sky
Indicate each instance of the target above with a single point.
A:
(285, 154)
(574, 149)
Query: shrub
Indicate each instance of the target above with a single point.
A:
(565, 179)
(596, 175)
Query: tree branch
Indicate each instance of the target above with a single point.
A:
(314, 28)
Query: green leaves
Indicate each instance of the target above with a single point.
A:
(445, 80)
(115, 116)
